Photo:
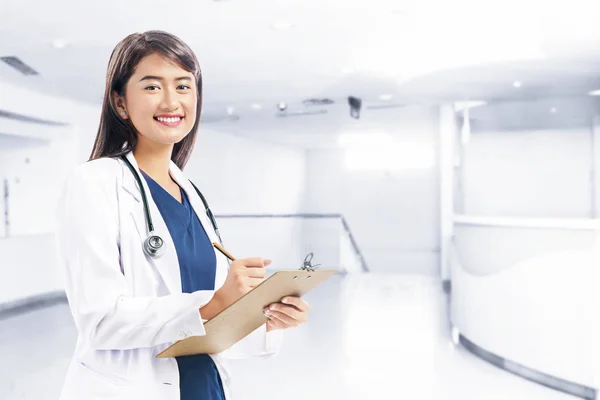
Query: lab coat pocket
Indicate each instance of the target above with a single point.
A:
(107, 377)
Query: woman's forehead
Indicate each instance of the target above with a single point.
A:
(155, 64)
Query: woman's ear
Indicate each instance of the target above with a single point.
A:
(119, 102)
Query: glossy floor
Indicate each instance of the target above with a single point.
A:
(369, 337)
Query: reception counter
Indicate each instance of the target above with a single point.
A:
(523, 297)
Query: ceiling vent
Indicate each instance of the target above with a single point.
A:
(300, 113)
(317, 102)
(19, 65)
(384, 106)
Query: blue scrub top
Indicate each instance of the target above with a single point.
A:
(198, 375)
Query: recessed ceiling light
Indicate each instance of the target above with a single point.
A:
(256, 106)
(59, 43)
(595, 93)
(385, 96)
(517, 84)
(282, 25)
(553, 110)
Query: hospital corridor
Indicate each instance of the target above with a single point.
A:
(299, 200)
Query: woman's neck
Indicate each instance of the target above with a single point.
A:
(154, 161)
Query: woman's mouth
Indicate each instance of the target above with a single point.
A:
(170, 121)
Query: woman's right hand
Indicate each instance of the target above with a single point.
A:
(244, 275)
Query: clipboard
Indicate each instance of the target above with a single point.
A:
(246, 314)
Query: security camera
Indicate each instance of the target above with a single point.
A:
(282, 106)
(355, 106)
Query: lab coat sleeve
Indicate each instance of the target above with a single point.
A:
(104, 311)
(258, 343)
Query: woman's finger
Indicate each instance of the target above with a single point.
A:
(254, 282)
(296, 302)
(285, 319)
(274, 323)
(290, 311)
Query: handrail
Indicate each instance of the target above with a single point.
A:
(357, 251)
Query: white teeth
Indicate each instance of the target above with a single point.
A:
(169, 120)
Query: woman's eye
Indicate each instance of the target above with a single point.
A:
(180, 87)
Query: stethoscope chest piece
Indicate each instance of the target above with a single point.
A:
(154, 246)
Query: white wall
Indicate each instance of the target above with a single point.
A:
(9, 145)
(393, 216)
(35, 157)
(323, 238)
(596, 166)
(29, 267)
(244, 176)
(241, 175)
(543, 174)
(35, 174)
(447, 129)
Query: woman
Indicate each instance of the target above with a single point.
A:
(128, 304)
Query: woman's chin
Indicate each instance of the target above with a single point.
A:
(169, 139)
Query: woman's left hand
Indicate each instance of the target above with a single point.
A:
(291, 312)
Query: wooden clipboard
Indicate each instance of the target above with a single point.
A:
(246, 315)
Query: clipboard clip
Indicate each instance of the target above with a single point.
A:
(306, 265)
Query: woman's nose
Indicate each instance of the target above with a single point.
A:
(169, 100)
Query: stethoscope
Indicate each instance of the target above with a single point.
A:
(154, 245)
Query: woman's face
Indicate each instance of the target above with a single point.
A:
(160, 99)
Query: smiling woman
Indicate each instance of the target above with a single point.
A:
(153, 96)
(136, 245)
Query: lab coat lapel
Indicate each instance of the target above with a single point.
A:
(168, 264)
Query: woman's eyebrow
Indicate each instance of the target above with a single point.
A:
(158, 78)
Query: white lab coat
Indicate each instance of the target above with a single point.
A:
(129, 307)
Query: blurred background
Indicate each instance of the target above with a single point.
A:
(444, 157)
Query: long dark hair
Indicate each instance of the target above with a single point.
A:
(117, 136)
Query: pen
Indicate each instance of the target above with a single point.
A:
(222, 250)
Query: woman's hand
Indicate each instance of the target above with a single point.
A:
(291, 312)
(243, 276)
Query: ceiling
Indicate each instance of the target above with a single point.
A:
(413, 51)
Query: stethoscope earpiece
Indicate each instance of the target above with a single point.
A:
(154, 246)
